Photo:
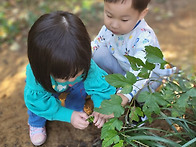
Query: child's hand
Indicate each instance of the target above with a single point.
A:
(125, 100)
(100, 119)
(78, 120)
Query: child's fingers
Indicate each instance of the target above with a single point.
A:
(108, 116)
(96, 116)
(78, 120)
(100, 123)
(84, 115)
(82, 126)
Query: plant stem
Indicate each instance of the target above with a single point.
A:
(140, 143)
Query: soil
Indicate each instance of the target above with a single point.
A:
(174, 23)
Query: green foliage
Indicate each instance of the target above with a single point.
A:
(154, 55)
(109, 132)
(116, 108)
(175, 103)
(135, 113)
(152, 101)
(90, 119)
(118, 80)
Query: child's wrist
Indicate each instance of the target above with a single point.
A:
(125, 100)
(127, 96)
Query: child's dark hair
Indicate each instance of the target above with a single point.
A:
(58, 46)
(139, 5)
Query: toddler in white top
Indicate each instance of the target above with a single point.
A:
(125, 32)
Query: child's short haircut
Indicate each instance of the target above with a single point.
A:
(139, 5)
(58, 45)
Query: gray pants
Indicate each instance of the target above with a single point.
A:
(107, 62)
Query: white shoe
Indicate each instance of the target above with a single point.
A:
(37, 135)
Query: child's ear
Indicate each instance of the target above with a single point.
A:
(143, 13)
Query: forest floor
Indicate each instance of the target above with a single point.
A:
(174, 24)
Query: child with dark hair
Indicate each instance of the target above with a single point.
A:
(125, 32)
(59, 54)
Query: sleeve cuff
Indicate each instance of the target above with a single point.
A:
(130, 95)
(64, 114)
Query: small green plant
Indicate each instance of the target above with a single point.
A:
(90, 119)
(174, 103)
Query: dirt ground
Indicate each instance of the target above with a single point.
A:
(174, 23)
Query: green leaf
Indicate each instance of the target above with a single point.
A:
(135, 63)
(150, 102)
(135, 112)
(154, 55)
(144, 73)
(90, 119)
(175, 113)
(148, 113)
(182, 85)
(182, 101)
(119, 144)
(111, 106)
(111, 138)
(159, 99)
(131, 77)
(174, 86)
(155, 139)
(149, 66)
(178, 111)
(112, 124)
(168, 94)
(192, 92)
(151, 107)
(192, 102)
(127, 89)
(134, 67)
(143, 96)
(117, 80)
(188, 144)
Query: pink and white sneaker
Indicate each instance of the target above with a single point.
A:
(37, 135)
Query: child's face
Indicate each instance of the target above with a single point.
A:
(120, 18)
(69, 80)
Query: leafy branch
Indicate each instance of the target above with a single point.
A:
(176, 95)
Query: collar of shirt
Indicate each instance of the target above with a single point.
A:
(61, 87)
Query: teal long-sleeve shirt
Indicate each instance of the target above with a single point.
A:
(44, 104)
